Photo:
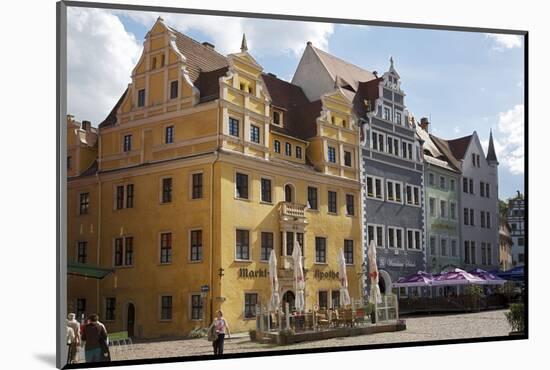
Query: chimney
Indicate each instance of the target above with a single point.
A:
(424, 123)
(209, 45)
(85, 125)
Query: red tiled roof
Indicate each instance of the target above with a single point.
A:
(300, 117)
(445, 149)
(459, 146)
(111, 118)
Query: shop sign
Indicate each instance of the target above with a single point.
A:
(252, 274)
(326, 275)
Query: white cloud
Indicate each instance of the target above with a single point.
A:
(509, 139)
(505, 41)
(100, 59)
(264, 36)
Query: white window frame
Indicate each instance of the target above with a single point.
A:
(190, 310)
(190, 179)
(375, 238)
(382, 188)
(444, 187)
(160, 307)
(123, 237)
(235, 229)
(414, 231)
(242, 172)
(378, 133)
(432, 211)
(190, 246)
(392, 184)
(393, 230)
(443, 208)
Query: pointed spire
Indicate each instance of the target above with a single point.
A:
(244, 46)
(391, 62)
(491, 154)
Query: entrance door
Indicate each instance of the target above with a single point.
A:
(382, 285)
(130, 319)
(288, 297)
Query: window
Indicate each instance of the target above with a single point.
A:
(255, 134)
(267, 246)
(398, 118)
(377, 141)
(347, 158)
(482, 188)
(196, 245)
(452, 210)
(404, 149)
(82, 252)
(394, 191)
(521, 241)
(154, 63)
(413, 239)
(332, 206)
(312, 197)
(120, 197)
(323, 300)
(387, 114)
(488, 223)
(454, 247)
(277, 146)
(266, 190)
(443, 209)
(250, 302)
(331, 154)
(390, 145)
(348, 251)
(472, 252)
(162, 60)
(410, 151)
(433, 245)
(196, 191)
(242, 246)
(242, 186)
(412, 195)
(466, 251)
(289, 243)
(233, 127)
(442, 182)
(118, 251)
(483, 254)
(374, 141)
(443, 246)
(350, 205)
(84, 203)
(166, 248)
(288, 193)
(299, 152)
(167, 190)
(432, 207)
(472, 217)
(169, 135)
(130, 196)
(489, 254)
(80, 308)
(452, 185)
(141, 98)
(395, 237)
(196, 307)
(466, 217)
(376, 233)
(320, 250)
(374, 187)
(473, 159)
(335, 294)
(128, 251)
(110, 305)
(166, 307)
(482, 218)
(477, 160)
(288, 149)
(173, 89)
(431, 179)
(276, 118)
(465, 185)
(471, 186)
(127, 143)
(487, 187)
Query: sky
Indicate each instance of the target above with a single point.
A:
(461, 81)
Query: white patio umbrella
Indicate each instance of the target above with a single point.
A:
(344, 293)
(374, 296)
(299, 283)
(275, 301)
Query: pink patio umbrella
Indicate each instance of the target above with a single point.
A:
(374, 296)
(344, 293)
(456, 277)
(275, 301)
(420, 279)
(299, 283)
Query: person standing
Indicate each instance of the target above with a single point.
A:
(220, 327)
(95, 336)
(75, 326)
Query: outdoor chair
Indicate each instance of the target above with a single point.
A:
(337, 319)
(322, 319)
(347, 317)
(360, 316)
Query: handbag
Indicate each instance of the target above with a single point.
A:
(212, 334)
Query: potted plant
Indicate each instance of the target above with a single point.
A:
(516, 318)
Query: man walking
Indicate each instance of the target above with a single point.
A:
(95, 336)
(73, 346)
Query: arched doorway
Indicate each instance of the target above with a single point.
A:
(288, 193)
(130, 319)
(289, 298)
(384, 282)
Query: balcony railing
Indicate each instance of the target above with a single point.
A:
(293, 210)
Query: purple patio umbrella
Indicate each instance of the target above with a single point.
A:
(420, 279)
(456, 277)
(487, 277)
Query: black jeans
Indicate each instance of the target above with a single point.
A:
(218, 344)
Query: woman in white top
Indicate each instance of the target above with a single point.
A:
(220, 326)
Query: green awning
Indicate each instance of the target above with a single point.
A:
(89, 271)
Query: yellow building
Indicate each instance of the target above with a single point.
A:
(203, 166)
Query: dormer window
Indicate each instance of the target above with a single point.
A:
(242, 86)
(332, 120)
(276, 117)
